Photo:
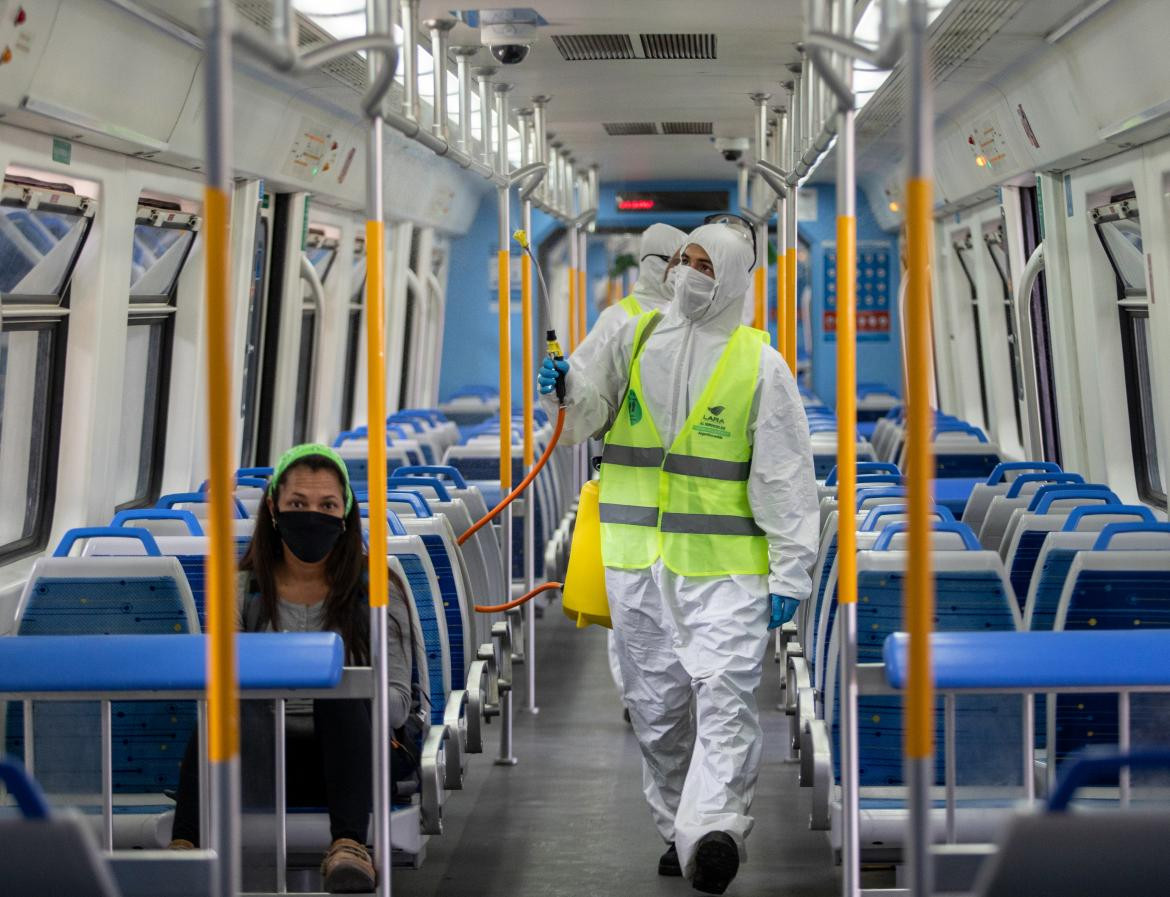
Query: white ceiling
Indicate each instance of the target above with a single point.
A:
(754, 43)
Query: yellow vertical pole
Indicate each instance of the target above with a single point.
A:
(781, 281)
(376, 403)
(223, 707)
(792, 299)
(918, 738)
(760, 317)
(572, 302)
(582, 291)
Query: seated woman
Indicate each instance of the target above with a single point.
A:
(306, 571)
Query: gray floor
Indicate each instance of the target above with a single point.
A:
(569, 819)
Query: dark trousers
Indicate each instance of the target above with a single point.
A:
(328, 764)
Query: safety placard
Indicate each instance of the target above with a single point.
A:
(874, 288)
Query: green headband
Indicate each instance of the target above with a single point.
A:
(309, 450)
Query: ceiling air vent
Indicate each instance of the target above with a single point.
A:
(687, 127)
(588, 47)
(678, 46)
(630, 128)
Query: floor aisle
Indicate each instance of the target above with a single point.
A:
(570, 820)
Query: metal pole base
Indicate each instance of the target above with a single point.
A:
(506, 761)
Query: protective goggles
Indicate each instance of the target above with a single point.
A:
(741, 226)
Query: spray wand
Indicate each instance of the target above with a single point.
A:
(552, 344)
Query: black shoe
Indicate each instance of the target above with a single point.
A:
(668, 863)
(716, 862)
(626, 715)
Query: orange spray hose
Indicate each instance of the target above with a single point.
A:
(497, 608)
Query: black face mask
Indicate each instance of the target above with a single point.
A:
(309, 535)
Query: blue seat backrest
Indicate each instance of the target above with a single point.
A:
(1114, 598)
(485, 467)
(1024, 562)
(972, 600)
(819, 604)
(964, 464)
(149, 737)
(1049, 587)
(424, 603)
(445, 574)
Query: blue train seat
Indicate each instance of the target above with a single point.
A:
(106, 595)
(1123, 582)
(971, 594)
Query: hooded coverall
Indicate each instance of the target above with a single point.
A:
(691, 649)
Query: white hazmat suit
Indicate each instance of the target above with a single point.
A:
(652, 294)
(692, 648)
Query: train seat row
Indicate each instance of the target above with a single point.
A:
(145, 574)
(1025, 546)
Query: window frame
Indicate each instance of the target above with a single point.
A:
(995, 236)
(151, 311)
(959, 247)
(355, 310)
(1133, 304)
(1040, 320)
(253, 372)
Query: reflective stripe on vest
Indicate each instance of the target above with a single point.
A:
(632, 306)
(688, 506)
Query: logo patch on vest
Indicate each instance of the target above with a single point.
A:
(712, 423)
(633, 408)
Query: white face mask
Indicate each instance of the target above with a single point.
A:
(693, 292)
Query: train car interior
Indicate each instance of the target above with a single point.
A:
(283, 282)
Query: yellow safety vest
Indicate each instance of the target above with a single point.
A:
(688, 506)
(632, 306)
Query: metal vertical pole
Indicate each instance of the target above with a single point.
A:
(847, 486)
(760, 312)
(411, 106)
(487, 149)
(526, 120)
(782, 234)
(505, 348)
(378, 20)
(439, 29)
(919, 733)
(791, 291)
(223, 707)
(463, 73)
(540, 145)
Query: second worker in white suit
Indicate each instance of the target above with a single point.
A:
(709, 527)
(657, 245)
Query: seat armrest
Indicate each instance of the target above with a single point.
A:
(805, 717)
(477, 696)
(502, 641)
(822, 778)
(433, 774)
(455, 719)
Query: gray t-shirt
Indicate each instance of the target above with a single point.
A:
(311, 618)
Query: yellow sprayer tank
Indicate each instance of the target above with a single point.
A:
(584, 600)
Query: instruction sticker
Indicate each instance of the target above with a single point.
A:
(62, 150)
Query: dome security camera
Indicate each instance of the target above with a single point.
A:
(732, 148)
(509, 42)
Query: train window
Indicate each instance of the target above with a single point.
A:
(257, 290)
(353, 334)
(996, 245)
(43, 227)
(1118, 226)
(1041, 331)
(163, 236)
(962, 249)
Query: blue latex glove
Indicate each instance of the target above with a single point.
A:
(783, 610)
(549, 373)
